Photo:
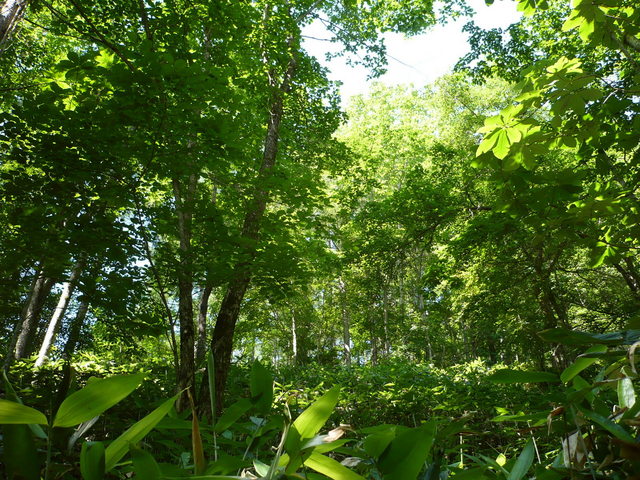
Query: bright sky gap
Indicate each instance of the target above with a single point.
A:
(418, 60)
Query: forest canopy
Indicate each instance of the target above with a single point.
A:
(184, 200)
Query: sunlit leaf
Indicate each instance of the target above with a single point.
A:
(95, 398)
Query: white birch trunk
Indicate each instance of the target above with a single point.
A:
(58, 313)
(10, 13)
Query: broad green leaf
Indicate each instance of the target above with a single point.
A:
(517, 376)
(15, 413)
(12, 395)
(330, 467)
(144, 465)
(311, 421)
(503, 145)
(528, 7)
(487, 143)
(581, 363)
(573, 337)
(261, 468)
(316, 415)
(405, 456)
(531, 417)
(376, 443)
(92, 461)
(95, 398)
(119, 447)
(599, 256)
(612, 427)
(626, 393)
(261, 384)
(523, 463)
(233, 413)
(20, 459)
(320, 446)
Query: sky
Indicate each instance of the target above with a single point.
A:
(418, 60)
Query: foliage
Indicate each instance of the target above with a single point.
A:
(420, 271)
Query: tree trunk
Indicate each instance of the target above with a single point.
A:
(630, 276)
(385, 320)
(554, 312)
(184, 212)
(16, 330)
(203, 307)
(294, 337)
(76, 328)
(346, 323)
(31, 315)
(11, 12)
(67, 290)
(425, 320)
(222, 341)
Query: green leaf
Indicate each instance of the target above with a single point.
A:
(612, 427)
(405, 456)
(626, 393)
(503, 145)
(15, 413)
(20, 457)
(12, 395)
(573, 337)
(144, 465)
(233, 413)
(531, 417)
(517, 376)
(261, 468)
(311, 420)
(330, 467)
(581, 363)
(376, 443)
(523, 463)
(487, 143)
(95, 398)
(119, 447)
(528, 7)
(261, 385)
(92, 461)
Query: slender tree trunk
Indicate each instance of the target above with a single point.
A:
(11, 11)
(425, 321)
(294, 337)
(17, 327)
(346, 323)
(203, 308)
(385, 320)
(222, 341)
(52, 329)
(31, 315)
(630, 276)
(554, 312)
(184, 212)
(74, 331)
